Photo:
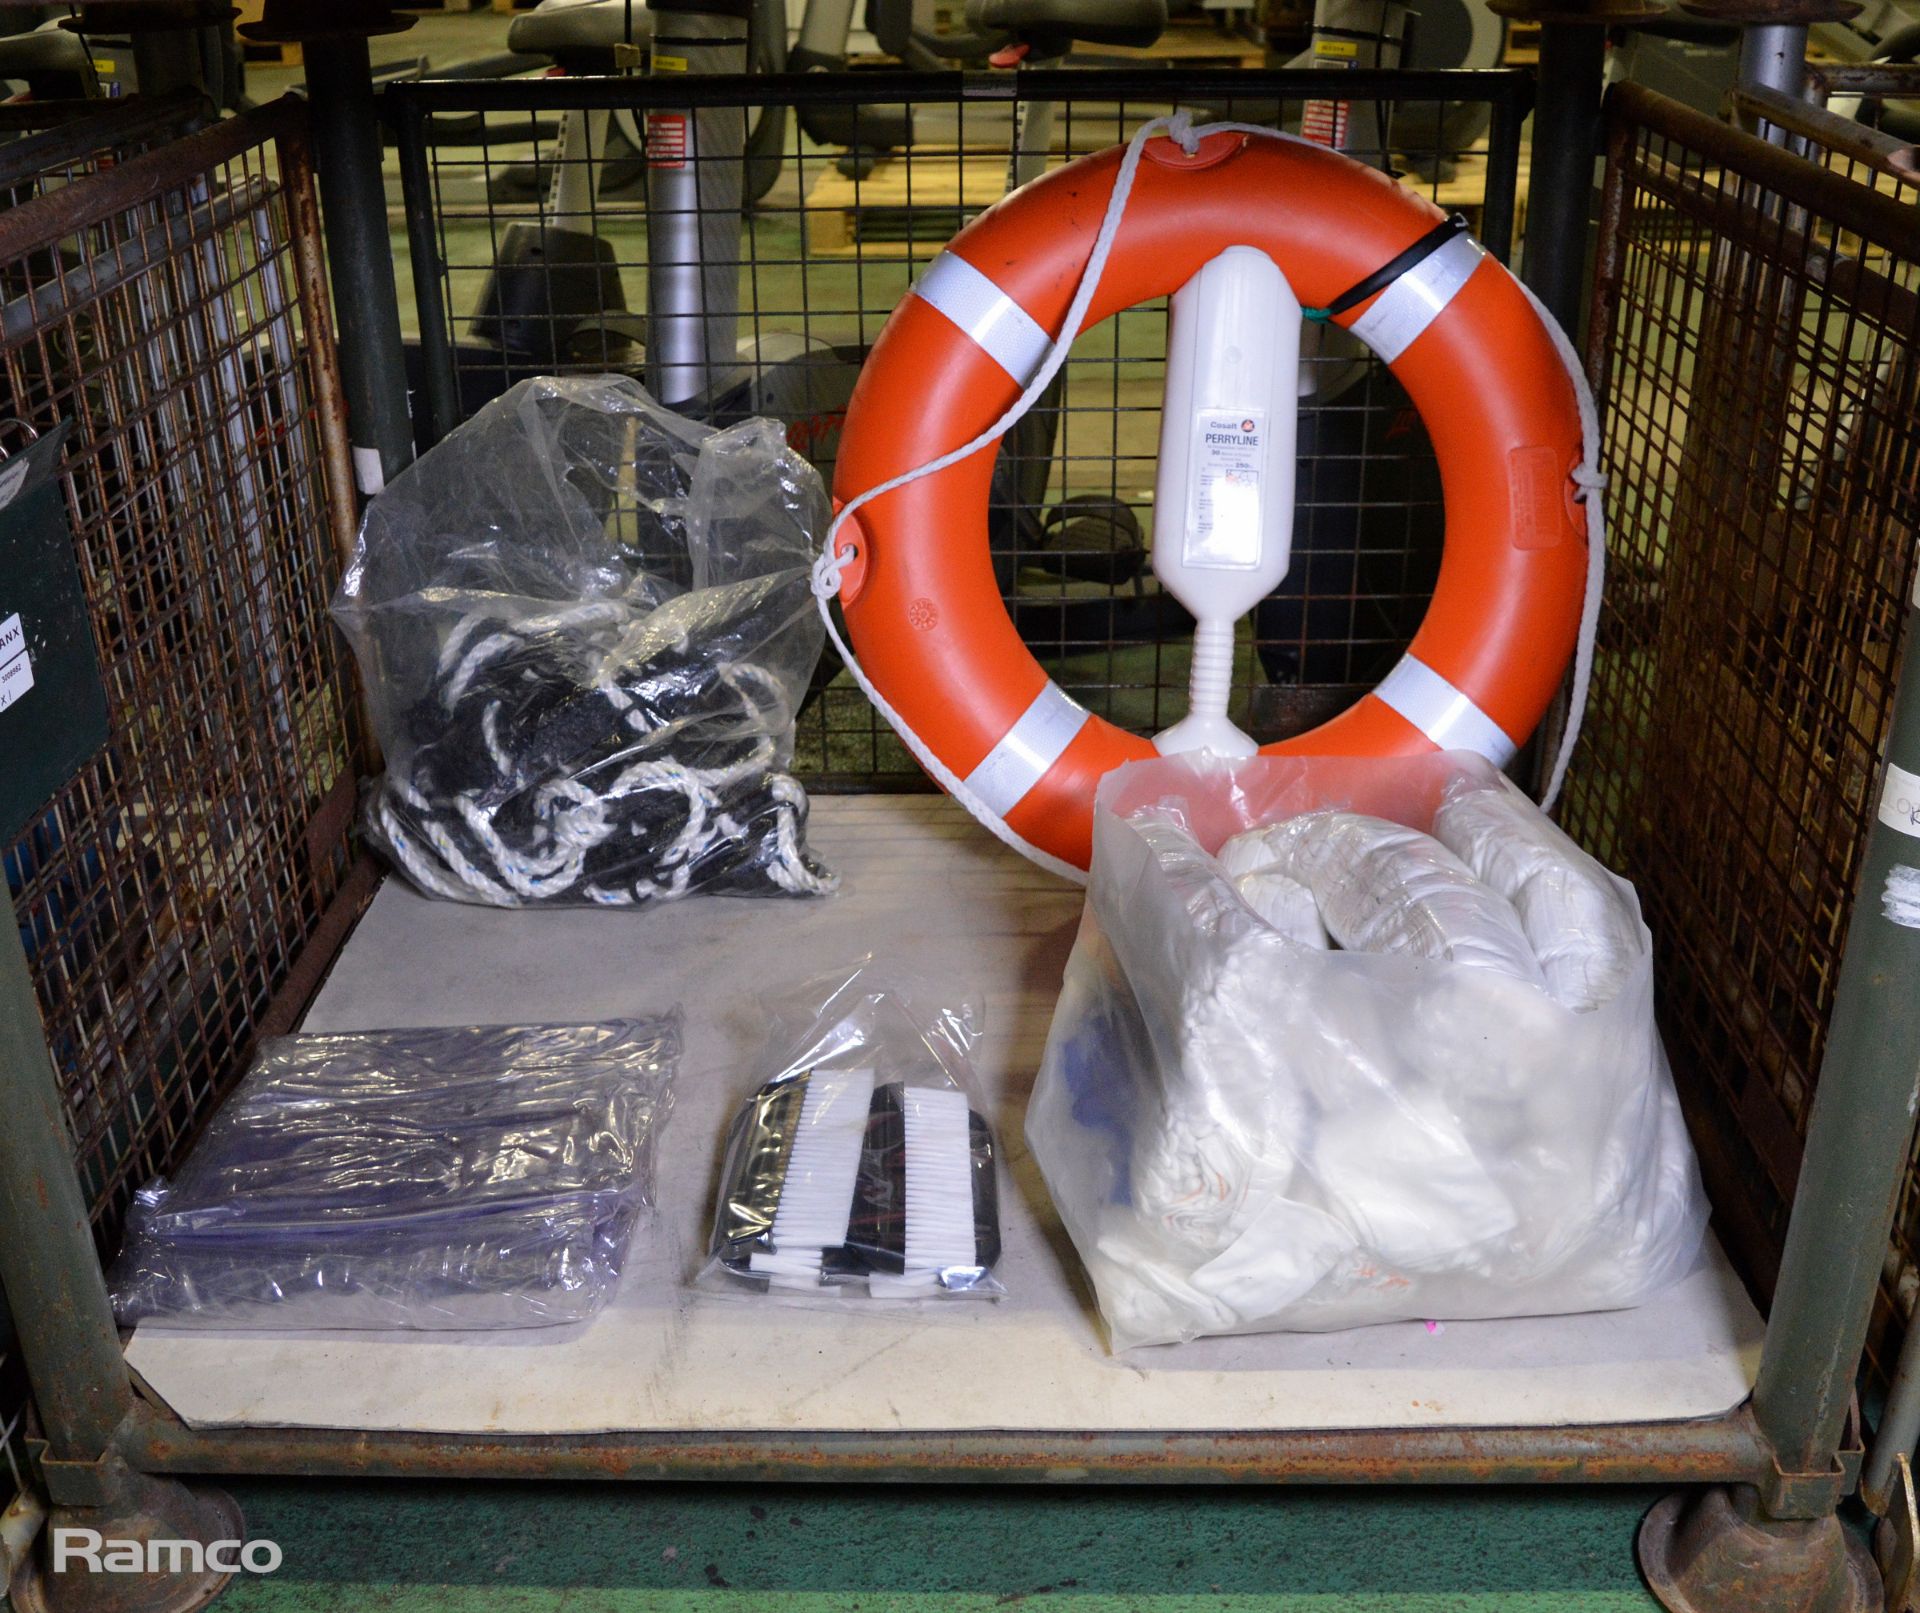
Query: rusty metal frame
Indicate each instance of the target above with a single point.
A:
(138, 181)
(1787, 290)
(1828, 79)
(148, 176)
(59, 141)
(1723, 1449)
(1851, 207)
(208, 242)
(1855, 142)
(1767, 207)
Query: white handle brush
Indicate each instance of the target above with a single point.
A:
(816, 1192)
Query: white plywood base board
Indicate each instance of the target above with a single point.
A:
(927, 888)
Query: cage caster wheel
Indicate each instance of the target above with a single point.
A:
(181, 1520)
(1716, 1553)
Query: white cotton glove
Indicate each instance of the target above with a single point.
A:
(1400, 1173)
(1145, 1294)
(1319, 1137)
(1189, 1178)
(1284, 1253)
(1387, 1151)
(1283, 902)
(1232, 1115)
(1381, 887)
(1577, 919)
(1445, 1031)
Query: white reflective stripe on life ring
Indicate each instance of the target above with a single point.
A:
(1445, 715)
(1399, 314)
(986, 313)
(1027, 750)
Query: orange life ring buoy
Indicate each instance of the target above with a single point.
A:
(918, 588)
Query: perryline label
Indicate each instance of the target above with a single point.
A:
(1225, 468)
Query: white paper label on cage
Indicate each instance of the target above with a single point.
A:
(16, 667)
(1223, 508)
(368, 471)
(1900, 801)
(1900, 900)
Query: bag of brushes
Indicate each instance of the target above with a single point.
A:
(858, 1163)
(585, 626)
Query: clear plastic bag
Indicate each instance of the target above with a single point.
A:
(1245, 1129)
(469, 1178)
(859, 1165)
(586, 625)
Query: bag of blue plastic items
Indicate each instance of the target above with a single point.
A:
(472, 1177)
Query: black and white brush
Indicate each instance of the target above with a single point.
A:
(792, 1161)
(941, 1231)
(926, 1210)
(832, 1180)
(816, 1192)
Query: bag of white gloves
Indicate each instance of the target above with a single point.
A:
(1347, 1041)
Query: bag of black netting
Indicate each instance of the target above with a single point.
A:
(586, 626)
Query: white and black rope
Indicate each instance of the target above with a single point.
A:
(550, 763)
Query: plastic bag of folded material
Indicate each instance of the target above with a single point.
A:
(1347, 1041)
(858, 1164)
(586, 625)
(468, 1178)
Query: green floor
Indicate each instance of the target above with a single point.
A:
(784, 1549)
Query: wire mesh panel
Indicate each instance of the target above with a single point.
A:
(44, 145)
(617, 223)
(1860, 121)
(1755, 340)
(13, 1418)
(167, 313)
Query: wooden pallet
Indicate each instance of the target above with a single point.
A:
(902, 206)
(257, 53)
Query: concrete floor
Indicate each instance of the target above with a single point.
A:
(516, 1548)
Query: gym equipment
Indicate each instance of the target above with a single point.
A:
(554, 295)
(1000, 33)
(593, 36)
